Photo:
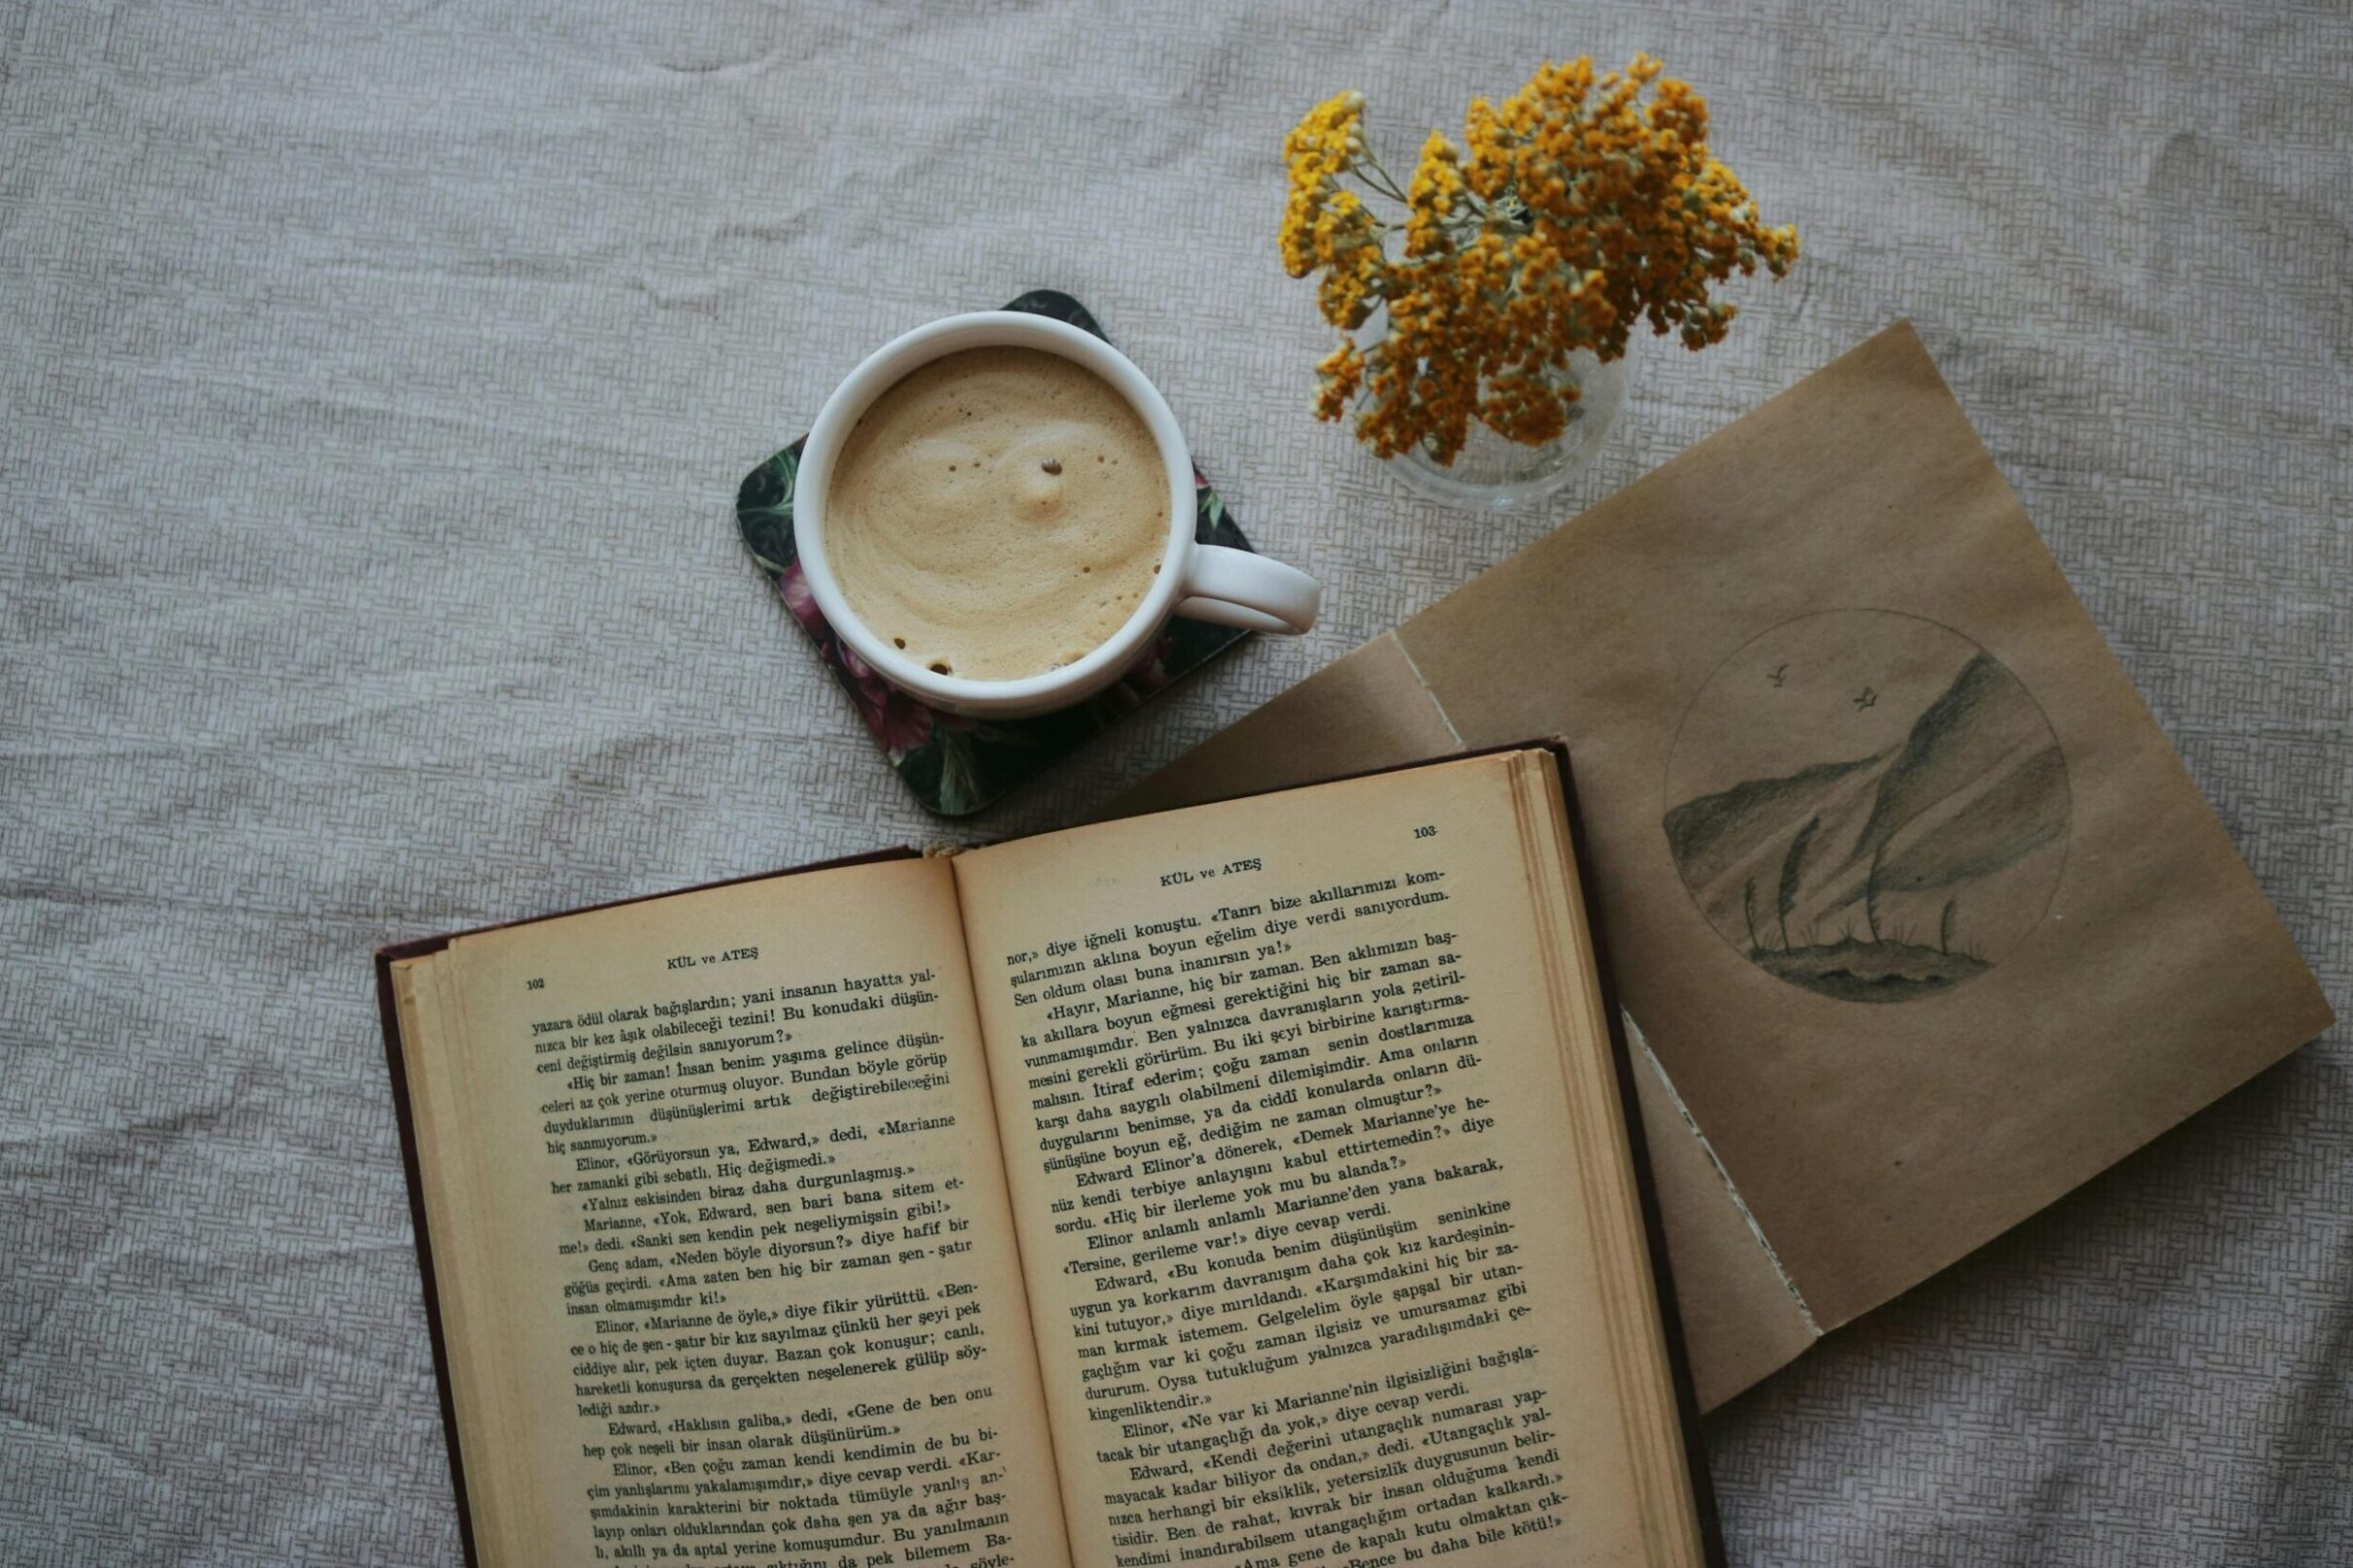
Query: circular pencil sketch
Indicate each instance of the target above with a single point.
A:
(1869, 805)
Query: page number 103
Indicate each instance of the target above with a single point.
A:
(1425, 832)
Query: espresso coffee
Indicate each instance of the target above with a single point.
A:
(997, 513)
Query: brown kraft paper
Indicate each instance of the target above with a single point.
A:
(1919, 918)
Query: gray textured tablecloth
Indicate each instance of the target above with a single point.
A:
(375, 385)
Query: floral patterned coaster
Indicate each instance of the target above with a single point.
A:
(956, 765)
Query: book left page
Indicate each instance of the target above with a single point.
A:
(720, 1236)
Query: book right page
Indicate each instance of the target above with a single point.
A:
(1321, 1182)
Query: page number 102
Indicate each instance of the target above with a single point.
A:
(1425, 832)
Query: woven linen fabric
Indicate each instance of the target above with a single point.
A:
(376, 382)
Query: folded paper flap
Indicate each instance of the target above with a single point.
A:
(1915, 904)
(1367, 709)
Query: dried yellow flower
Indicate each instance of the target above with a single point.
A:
(1577, 207)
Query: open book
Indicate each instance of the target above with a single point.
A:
(1250, 1183)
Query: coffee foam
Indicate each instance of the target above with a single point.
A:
(997, 513)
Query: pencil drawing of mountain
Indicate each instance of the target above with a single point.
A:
(1891, 875)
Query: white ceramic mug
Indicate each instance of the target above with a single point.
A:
(1204, 582)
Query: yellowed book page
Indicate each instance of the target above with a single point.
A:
(1315, 1273)
(736, 1270)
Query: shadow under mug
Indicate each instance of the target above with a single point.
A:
(1204, 582)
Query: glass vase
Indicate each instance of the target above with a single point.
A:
(1492, 473)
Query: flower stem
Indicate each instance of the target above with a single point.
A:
(1387, 184)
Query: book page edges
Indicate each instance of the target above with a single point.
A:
(419, 1026)
(1677, 1502)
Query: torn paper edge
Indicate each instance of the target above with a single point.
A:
(1633, 1033)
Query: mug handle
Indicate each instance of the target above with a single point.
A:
(1232, 587)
